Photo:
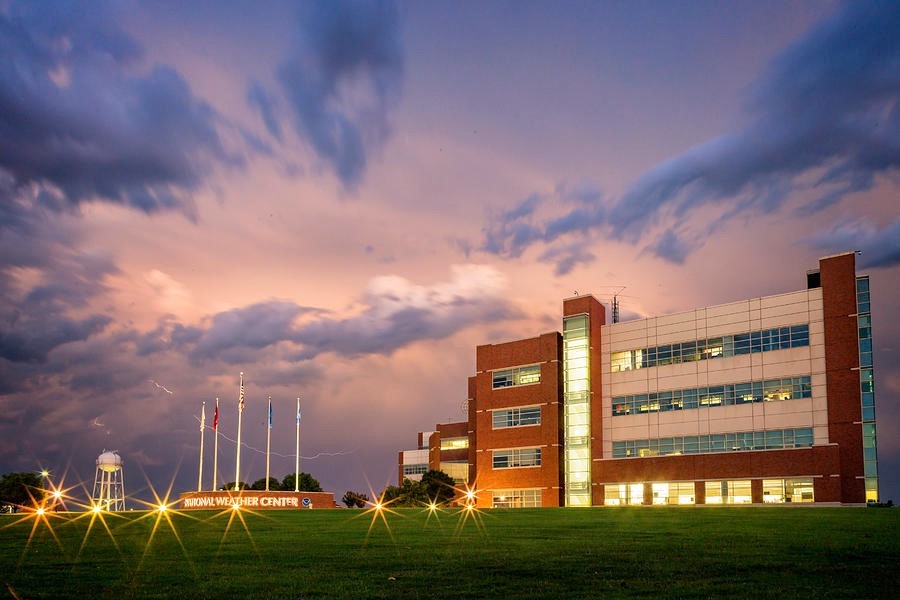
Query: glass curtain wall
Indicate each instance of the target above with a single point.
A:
(577, 406)
(867, 387)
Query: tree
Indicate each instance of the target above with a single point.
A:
(242, 485)
(21, 489)
(439, 487)
(260, 484)
(392, 494)
(355, 499)
(308, 483)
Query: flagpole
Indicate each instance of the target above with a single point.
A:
(297, 458)
(216, 445)
(202, 427)
(268, 442)
(237, 462)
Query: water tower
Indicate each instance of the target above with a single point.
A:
(109, 482)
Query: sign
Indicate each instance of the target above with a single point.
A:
(256, 500)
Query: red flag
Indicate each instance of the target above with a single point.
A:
(216, 417)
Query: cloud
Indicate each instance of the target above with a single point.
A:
(261, 100)
(828, 108)
(512, 232)
(80, 121)
(42, 278)
(670, 247)
(567, 257)
(824, 119)
(343, 80)
(172, 295)
(393, 313)
(879, 247)
(253, 327)
(398, 312)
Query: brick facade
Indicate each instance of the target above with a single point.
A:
(838, 275)
(544, 350)
(835, 465)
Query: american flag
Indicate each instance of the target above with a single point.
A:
(241, 405)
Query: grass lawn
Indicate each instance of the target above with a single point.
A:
(785, 552)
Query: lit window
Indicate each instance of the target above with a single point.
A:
(516, 376)
(775, 439)
(728, 492)
(454, 443)
(516, 457)
(516, 417)
(516, 498)
(730, 345)
(726, 395)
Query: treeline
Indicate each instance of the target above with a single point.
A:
(435, 487)
(308, 483)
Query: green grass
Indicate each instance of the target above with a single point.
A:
(557, 553)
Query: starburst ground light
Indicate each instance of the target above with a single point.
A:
(439, 552)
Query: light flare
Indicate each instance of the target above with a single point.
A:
(40, 516)
(235, 510)
(378, 508)
(161, 510)
(469, 510)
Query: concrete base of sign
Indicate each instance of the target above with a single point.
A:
(256, 500)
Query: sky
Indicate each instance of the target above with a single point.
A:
(343, 199)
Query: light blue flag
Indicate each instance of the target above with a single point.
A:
(298, 413)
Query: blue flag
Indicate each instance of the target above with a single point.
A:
(270, 413)
(298, 413)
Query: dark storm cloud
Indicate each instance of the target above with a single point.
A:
(824, 119)
(80, 121)
(344, 79)
(879, 247)
(34, 317)
(28, 338)
(398, 313)
(394, 314)
(251, 328)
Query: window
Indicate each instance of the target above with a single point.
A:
(728, 492)
(730, 345)
(775, 439)
(516, 498)
(454, 443)
(517, 417)
(415, 469)
(779, 491)
(673, 493)
(517, 457)
(458, 470)
(621, 361)
(517, 376)
(623, 494)
(727, 395)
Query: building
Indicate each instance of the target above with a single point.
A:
(445, 449)
(768, 400)
(413, 463)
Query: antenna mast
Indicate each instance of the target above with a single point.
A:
(615, 305)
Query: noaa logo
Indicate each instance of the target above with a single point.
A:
(306, 502)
